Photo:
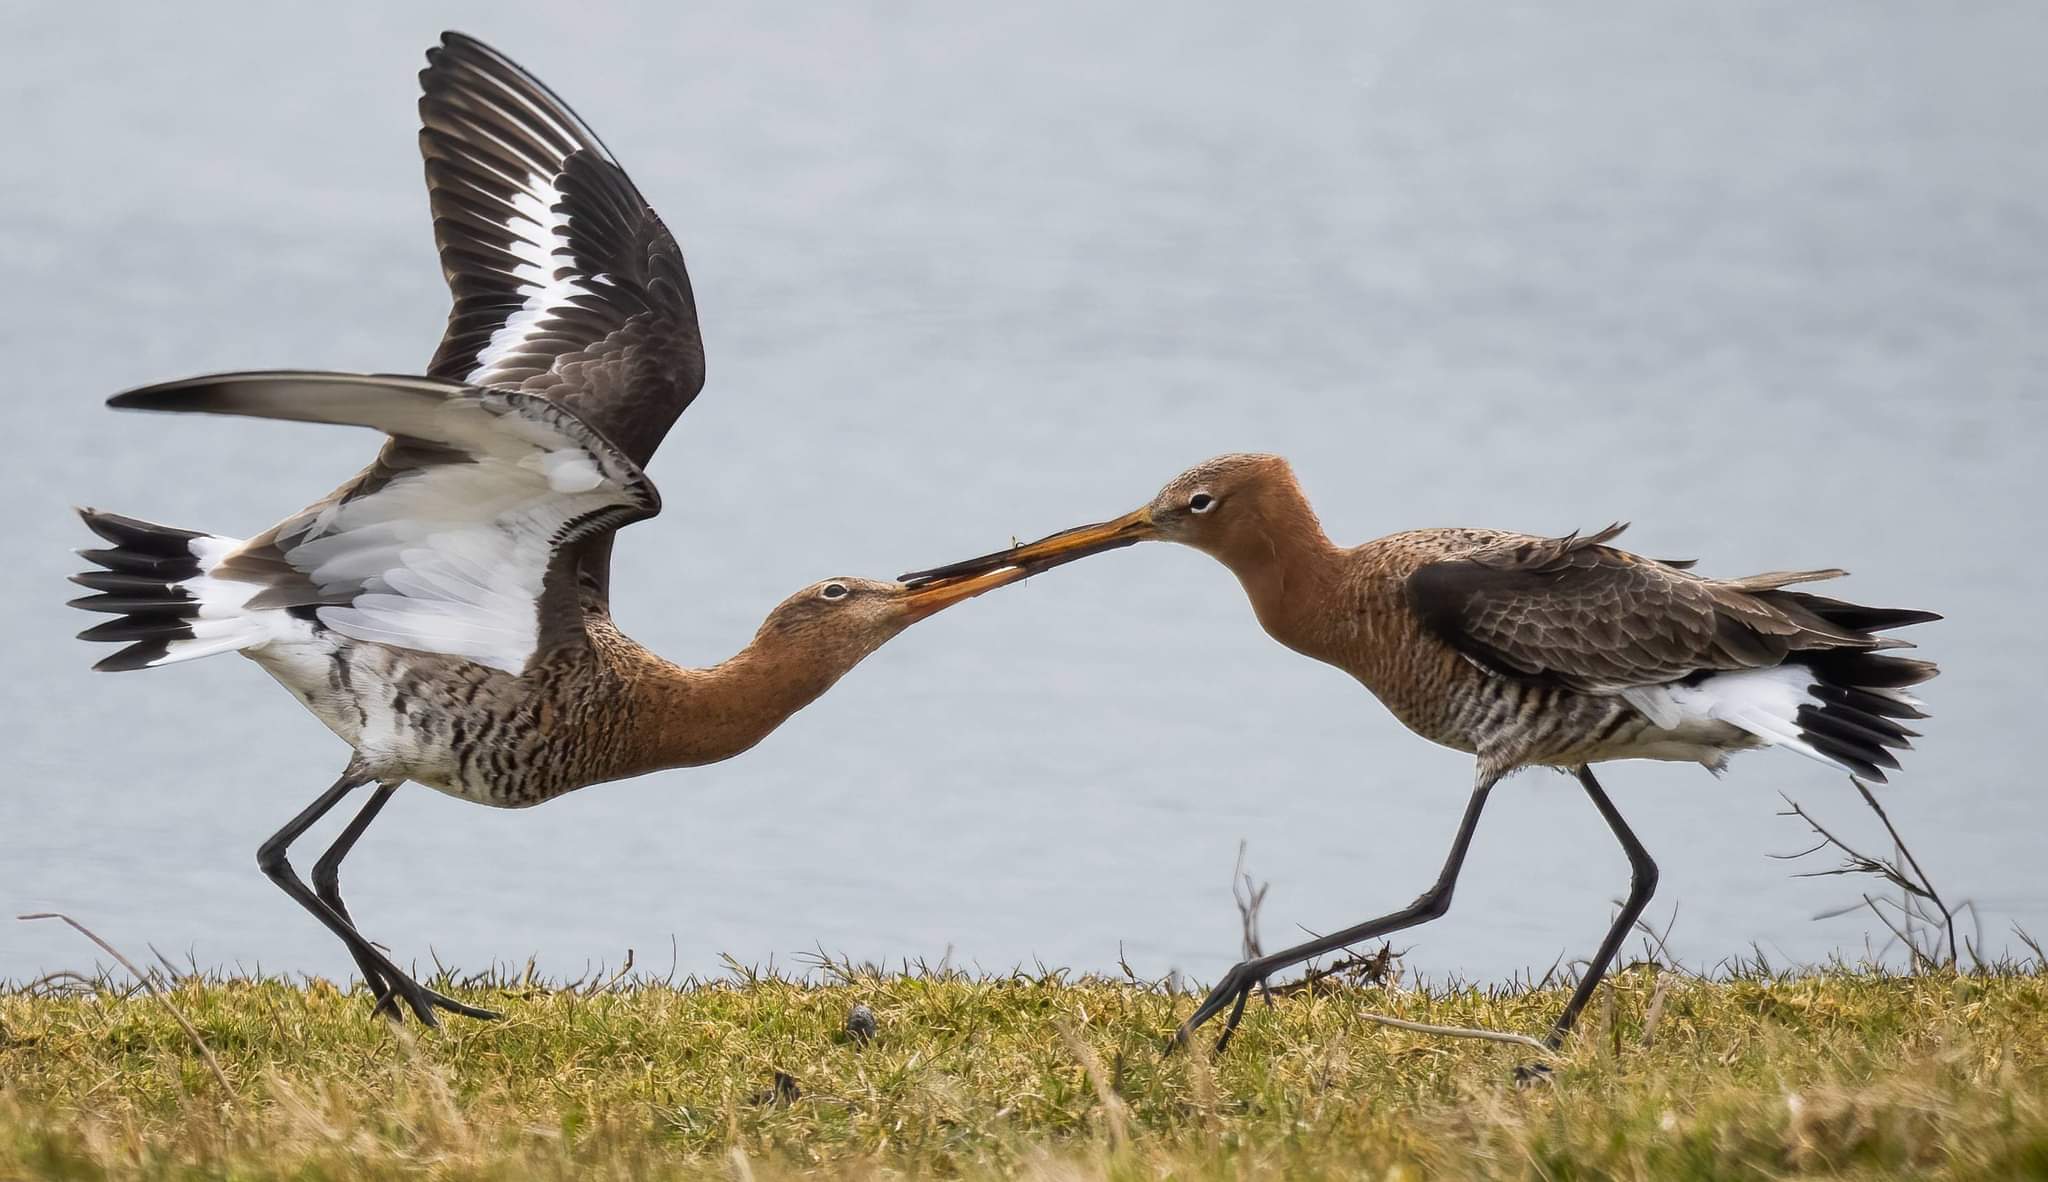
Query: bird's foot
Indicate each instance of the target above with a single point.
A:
(379, 986)
(1231, 993)
(422, 1001)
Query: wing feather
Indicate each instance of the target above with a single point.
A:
(448, 542)
(565, 281)
(1601, 620)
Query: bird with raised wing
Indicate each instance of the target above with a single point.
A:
(1526, 652)
(446, 611)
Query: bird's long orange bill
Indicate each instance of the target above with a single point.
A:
(925, 598)
(1048, 552)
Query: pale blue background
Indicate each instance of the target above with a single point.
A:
(1768, 279)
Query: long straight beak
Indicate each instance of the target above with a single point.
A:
(1045, 553)
(927, 598)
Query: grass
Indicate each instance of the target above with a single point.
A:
(1856, 1073)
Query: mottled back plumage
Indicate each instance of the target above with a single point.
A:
(1575, 613)
(1594, 618)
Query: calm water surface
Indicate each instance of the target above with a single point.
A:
(1768, 280)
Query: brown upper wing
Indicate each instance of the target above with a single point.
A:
(566, 283)
(1598, 619)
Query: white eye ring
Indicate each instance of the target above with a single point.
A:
(832, 591)
(1201, 502)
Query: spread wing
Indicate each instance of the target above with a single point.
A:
(455, 540)
(566, 284)
(1601, 620)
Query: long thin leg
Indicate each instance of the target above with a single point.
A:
(327, 885)
(1237, 984)
(272, 860)
(1642, 884)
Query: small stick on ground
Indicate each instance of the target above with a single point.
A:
(62, 977)
(1916, 890)
(1376, 965)
(1948, 919)
(1460, 1032)
(1370, 969)
(1249, 896)
(2040, 957)
(191, 1031)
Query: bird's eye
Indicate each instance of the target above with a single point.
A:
(832, 591)
(1201, 502)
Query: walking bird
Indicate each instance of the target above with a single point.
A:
(446, 611)
(1527, 652)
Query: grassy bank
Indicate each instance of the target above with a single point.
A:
(1855, 1073)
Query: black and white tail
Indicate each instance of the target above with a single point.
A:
(154, 580)
(1840, 705)
(1856, 698)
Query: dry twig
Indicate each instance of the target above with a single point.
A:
(1460, 1032)
(191, 1031)
(1249, 896)
(1371, 969)
(1902, 870)
(594, 989)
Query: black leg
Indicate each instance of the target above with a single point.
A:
(271, 858)
(1642, 884)
(1236, 986)
(327, 885)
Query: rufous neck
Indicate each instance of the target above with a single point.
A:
(701, 716)
(1291, 571)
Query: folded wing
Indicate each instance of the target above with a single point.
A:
(1579, 612)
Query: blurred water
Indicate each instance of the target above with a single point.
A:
(1767, 279)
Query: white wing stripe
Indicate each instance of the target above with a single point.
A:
(549, 285)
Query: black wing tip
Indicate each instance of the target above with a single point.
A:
(1866, 670)
(180, 393)
(459, 48)
(184, 394)
(459, 53)
(140, 398)
(290, 395)
(457, 42)
(1903, 616)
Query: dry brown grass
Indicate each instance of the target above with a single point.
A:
(1858, 1074)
